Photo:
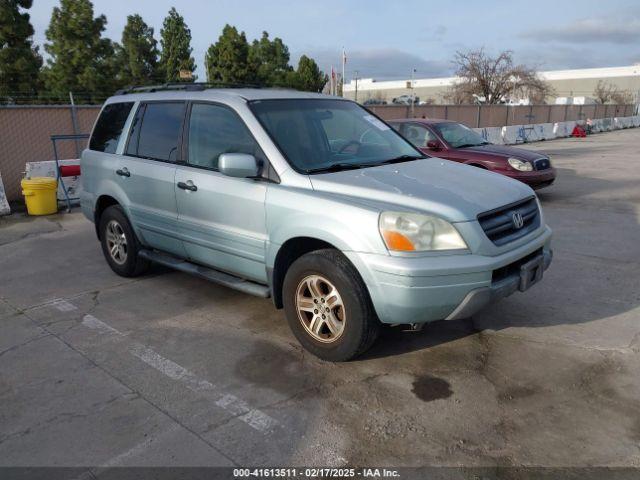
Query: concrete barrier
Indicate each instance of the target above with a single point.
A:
(511, 134)
(622, 122)
(491, 134)
(515, 134)
(563, 129)
(47, 168)
(606, 124)
(4, 203)
(547, 131)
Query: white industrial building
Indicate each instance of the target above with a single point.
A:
(566, 83)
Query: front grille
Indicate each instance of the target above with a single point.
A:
(542, 164)
(499, 224)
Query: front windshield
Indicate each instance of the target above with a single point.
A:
(459, 136)
(319, 135)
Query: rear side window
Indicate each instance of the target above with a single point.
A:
(109, 127)
(156, 131)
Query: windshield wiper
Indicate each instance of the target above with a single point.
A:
(401, 158)
(336, 167)
(465, 145)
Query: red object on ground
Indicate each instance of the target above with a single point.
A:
(579, 132)
(69, 170)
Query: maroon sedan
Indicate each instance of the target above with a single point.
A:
(454, 141)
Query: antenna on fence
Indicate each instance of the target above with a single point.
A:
(74, 122)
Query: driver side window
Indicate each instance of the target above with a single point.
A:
(214, 130)
(418, 135)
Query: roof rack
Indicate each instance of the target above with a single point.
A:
(187, 86)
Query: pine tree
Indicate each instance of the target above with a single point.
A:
(138, 54)
(81, 60)
(19, 61)
(308, 76)
(227, 61)
(176, 48)
(270, 60)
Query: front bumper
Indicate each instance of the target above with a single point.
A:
(436, 287)
(535, 179)
(480, 297)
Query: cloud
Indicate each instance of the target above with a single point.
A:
(381, 64)
(440, 31)
(563, 57)
(590, 30)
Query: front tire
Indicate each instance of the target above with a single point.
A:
(119, 243)
(328, 307)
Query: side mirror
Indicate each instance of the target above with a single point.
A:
(240, 165)
(434, 145)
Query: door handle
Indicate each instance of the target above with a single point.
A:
(123, 172)
(187, 186)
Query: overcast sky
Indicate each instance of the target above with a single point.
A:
(385, 39)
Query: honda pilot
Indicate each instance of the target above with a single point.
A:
(310, 200)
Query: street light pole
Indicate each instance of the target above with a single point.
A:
(356, 96)
(413, 94)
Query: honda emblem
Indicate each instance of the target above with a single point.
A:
(518, 221)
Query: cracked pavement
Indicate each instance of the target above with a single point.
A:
(172, 370)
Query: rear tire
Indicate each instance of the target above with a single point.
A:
(119, 243)
(328, 306)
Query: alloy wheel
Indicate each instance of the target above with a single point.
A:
(116, 242)
(320, 308)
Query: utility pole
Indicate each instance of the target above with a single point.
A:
(413, 94)
(74, 123)
(356, 98)
(344, 61)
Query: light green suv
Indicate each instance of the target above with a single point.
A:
(310, 200)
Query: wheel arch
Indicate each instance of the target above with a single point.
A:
(288, 253)
(103, 202)
(477, 165)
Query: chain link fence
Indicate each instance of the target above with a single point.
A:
(25, 133)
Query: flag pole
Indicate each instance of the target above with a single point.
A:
(333, 81)
(344, 60)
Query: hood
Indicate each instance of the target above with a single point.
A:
(453, 191)
(504, 151)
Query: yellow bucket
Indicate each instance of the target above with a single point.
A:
(40, 195)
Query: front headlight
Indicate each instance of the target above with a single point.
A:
(408, 232)
(520, 165)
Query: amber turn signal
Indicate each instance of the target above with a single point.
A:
(397, 241)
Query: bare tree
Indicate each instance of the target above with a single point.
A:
(622, 97)
(486, 79)
(606, 92)
(603, 91)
